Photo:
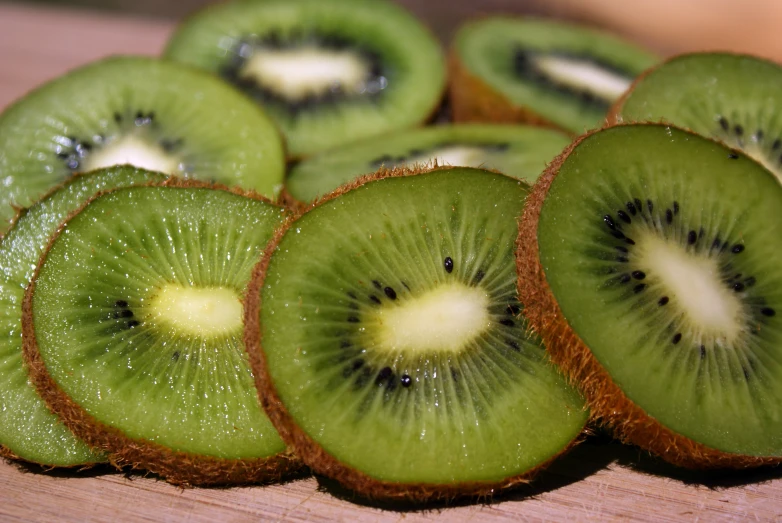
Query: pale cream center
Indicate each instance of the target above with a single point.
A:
(443, 319)
(198, 311)
(136, 151)
(455, 155)
(584, 75)
(306, 71)
(693, 283)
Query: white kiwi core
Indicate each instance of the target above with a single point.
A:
(295, 74)
(455, 155)
(136, 151)
(584, 75)
(204, 312)
(693, 283)
(443, 319)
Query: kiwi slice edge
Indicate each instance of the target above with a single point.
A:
(609, 404)
(305, 446)
(177, 467)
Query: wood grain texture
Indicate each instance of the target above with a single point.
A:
(598, 481)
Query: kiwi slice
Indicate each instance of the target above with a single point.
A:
(389, 350)
(518, 151)
(150, 113)
(649, 267)
(133, 332)
(540, 71)
(28, 430)
(328, 71)
(730, 97)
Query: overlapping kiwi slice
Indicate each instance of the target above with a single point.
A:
(28, 430)
(540, 71)
(385, 335)
(653, 277)
(328, 71)
(515, 150)
(730, 97)
(133, 332)
(153, 114)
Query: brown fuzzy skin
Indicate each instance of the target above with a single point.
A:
(179, 468)
(472, 100)
(607, 403)
(318, 459)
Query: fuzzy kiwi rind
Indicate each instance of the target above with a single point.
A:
(609, 405)
(303, 445)
(179, 468)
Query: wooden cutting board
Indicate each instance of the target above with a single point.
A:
(598, 481)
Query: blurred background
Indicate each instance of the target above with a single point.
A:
(669, 26)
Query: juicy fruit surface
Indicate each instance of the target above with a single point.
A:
(390, 331)
(518, 151)
(138, 111)
(567, 74)
(128, 258)
(27, 427)
(671, 279)
(329, 72)
(732, 98)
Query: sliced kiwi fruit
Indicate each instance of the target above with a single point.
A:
(132, 329)
(156, 115)
(648, 261)
(385, 336)
(730, 97)
(28, 430)
(540, 71)
(515, 150)
(328, 71)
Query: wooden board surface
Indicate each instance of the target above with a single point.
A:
(598, 481)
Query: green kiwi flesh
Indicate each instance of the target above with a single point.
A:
(156, 115)
(141, 292)
(28, 430)
(328, 71)
(661, 284)
(732, 98)
(516, 150)
(566, 74)
(385, 333)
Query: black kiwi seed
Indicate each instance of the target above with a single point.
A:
(175, 356)
(384, 374)
(703, 351)
(618, 235)
(639, 275)
(692, 237)
(675, 207)
(623, 215)
(733, 156)
(391, 293)
(737, 248)
(749, 282)
(639, 288)
(663, 301)
(121, 304)
(739, 130)
(767, 311)
(677, 338)
(478, 277)
(668, 216)
(513, 310)
(448, 264)
(406, 380)
(638, 205)
(377, 285)
(624, 278)
(609, 221)
(134, 323)
(650, 205)
(375, 299)
(716, 244)
(738, 286)
(631, 208)
(724, 123)
(507, 322)
(777, 143)
(353, 319)
(513, 345)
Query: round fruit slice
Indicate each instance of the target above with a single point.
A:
(389, 350)
(133, 332)
(153, 114)
(651, 257)
(541, 72)
(28, 430)
(518, 151)
(328, 71)
(733, 98)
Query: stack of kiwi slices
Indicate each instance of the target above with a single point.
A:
(403, 313)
